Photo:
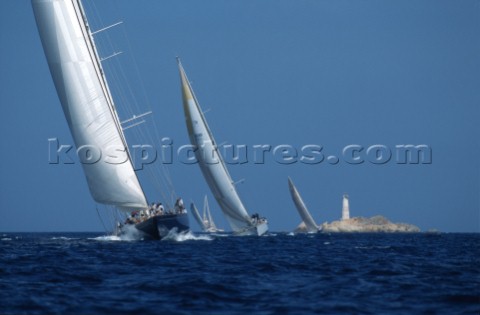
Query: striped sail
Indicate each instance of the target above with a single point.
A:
(210, 161)
(310, 224)
(86, 101)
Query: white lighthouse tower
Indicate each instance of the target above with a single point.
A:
(345, 208)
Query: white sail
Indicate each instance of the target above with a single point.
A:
(210, 160)
(207, 215)
(310, 224)
(86, 101)
(197, 217)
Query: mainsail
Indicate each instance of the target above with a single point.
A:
(87, 102)
(310, 224)
(210, 161)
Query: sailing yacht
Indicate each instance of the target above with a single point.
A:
(213, 167)
(308, 224)
(89, 109)
(205, 221)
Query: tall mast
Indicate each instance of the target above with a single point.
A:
(87, 102)
(101, 76)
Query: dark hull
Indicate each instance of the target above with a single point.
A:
(158, 227)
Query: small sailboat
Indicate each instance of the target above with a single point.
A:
(205, 221)
(308, 225)
(89, 109)
(213, 167)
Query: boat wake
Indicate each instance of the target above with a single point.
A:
(129, 233)
(174, 236)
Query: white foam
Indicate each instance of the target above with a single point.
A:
(173, 235)
(63, 238)
(220, 234)
(129, 233)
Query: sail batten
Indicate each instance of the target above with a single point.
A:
(215, 174)
(87, 102)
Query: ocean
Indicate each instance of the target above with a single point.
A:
(280, 273)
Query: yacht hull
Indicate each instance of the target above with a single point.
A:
(158, 227)
(257, 230)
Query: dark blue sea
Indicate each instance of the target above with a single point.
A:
(90, 273)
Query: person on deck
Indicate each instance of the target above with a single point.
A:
(179, 205)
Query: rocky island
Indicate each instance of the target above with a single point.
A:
(375, 224)
(368, 225)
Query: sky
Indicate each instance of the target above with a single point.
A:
(336, 74)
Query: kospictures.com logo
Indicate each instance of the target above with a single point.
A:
(167, 153)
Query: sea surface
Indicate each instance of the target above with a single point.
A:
(281, 273)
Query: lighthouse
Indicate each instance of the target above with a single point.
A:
(345, 208)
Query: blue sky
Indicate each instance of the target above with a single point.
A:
(329, 73)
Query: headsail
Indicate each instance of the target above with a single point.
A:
(87, 102)
(197, 217)
(207, 216)
(310, 224)
(210, 161)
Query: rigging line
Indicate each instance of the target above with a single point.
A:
(116, 216)
(118, 74)
(101, 220)
(142, 85)
(115, 73)
(106, 28)
(117, 82)
(106, 42)
(91, 48)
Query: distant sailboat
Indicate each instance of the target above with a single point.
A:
(92, 117)
(308, 224)
(213, 167)
(205, 221)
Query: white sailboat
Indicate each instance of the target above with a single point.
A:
(205, 221)
(308, 224)
(213, 167)
(89, 109)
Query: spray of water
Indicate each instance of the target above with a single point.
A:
(128, 233)
(173, 235)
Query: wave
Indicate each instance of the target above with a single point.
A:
(218, 234)
(63, 238)
(173, 235)
(130, 233)
(372, 247)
